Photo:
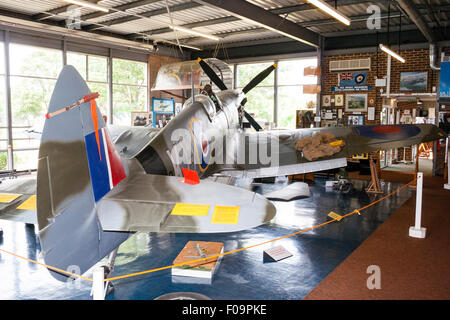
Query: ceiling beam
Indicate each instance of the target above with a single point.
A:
(279, 11)
(250, 12)
(415, 16)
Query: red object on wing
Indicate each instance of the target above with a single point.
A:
(190, 176)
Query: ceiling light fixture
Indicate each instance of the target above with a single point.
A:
(392, 53)
(196, 33)
(88, 5)
(325, 7)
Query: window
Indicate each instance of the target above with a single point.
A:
(3, 137)
(129, 89)
(33, 76)
(290, 90)
(291, 80)
(261, 98)
(94, 70)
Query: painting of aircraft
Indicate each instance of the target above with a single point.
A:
(97, 185)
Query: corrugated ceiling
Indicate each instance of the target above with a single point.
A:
(138, 17)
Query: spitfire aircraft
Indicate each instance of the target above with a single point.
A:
(96, 185)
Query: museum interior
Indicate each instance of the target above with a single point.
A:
(224, 150)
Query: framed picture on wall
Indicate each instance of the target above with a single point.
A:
(356, 120)
(356, 102)
(163, 105)
(413, 81)
(339, 100)
(326, 101)
(139, 118)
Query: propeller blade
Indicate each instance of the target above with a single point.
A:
(211, 74)
(252, 121)
(259, 78)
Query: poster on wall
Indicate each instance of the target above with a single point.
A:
(352, 81)
(413, 81)
(356, 103)
(444, 87)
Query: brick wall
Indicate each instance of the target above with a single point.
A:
(416, 60)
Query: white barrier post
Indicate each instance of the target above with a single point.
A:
(98, 285)
(417, 231)
(447, 185)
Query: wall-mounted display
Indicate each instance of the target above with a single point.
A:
(356, 120)
(352, 79)
(163, 111)
(356, 102)
(413, 81)
(339, 100)
(326, 101)
(139, 118)
(444, 87)
(163, 105)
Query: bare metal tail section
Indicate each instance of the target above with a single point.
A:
(77, 166)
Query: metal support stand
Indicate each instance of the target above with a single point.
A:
(374, 185)
(100, 287)
(417, 231)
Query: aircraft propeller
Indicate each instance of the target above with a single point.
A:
(253, 83)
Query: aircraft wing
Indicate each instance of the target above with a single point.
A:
(283, 152)
(18, 200)
(156, 203)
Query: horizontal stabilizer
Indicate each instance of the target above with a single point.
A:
(156, 203)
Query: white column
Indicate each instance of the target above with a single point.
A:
(447, 160)
(417, 231)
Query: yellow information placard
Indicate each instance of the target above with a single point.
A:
(334, 215)
(8, 197)
(190, 209)
(225, 215)
(29, 204)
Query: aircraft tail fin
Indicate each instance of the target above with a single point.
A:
(77, 166)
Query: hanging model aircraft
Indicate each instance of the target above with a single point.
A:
(97, 185)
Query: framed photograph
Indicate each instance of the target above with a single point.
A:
(339, 100)
(163, 105)
(356, 120)
(139, 118)
(326, 101)
(413, 81)
(356, 103)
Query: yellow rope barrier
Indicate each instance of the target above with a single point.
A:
(218, 255)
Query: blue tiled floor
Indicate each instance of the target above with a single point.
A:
(243, 275)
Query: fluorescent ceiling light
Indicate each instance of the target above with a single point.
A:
(392, 53)
(196, 33)
(325, 7)
(88, 5)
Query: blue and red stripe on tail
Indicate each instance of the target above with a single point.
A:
(105, 166)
